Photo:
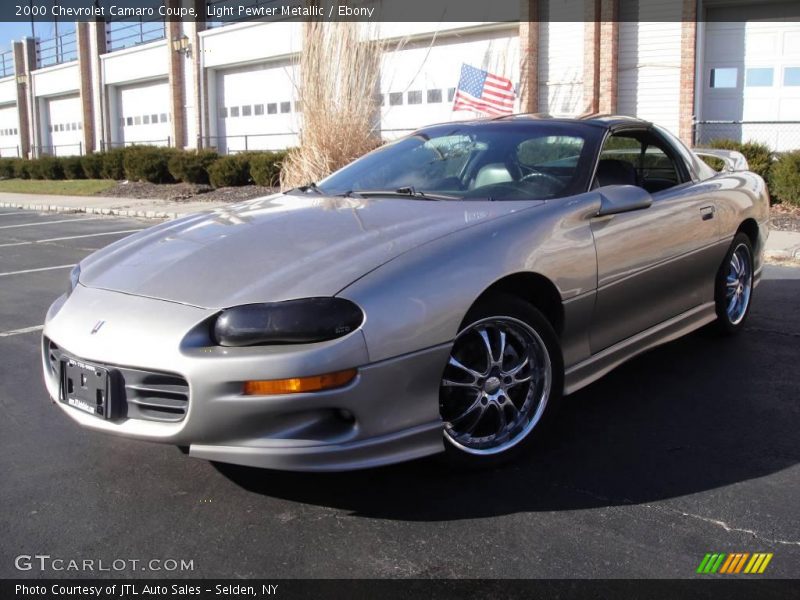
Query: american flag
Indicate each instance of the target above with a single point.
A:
(483, 92)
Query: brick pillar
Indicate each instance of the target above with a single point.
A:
(28, 65)
(176, 82)
(97, 37)
(85, 74)
(200, 86)
(529, 56)
(591, 57)
(609, 47)
(21, 73)
(688, 66)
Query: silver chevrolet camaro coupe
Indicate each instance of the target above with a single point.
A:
(438, 295)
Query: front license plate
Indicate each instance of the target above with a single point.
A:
(87, 387)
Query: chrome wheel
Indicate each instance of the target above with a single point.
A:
(496, 385)
(738, 284)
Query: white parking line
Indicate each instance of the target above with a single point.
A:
(71, 237)
(36, 270)
(50, 222)
(20, 331)
(21, 212)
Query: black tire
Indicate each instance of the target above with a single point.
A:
(500, 310)
(726, 324)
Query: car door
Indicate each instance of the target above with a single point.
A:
(653, 263)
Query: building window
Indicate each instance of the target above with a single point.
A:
(259, 109)
(137, 120)
(759, 77)
(395, 98)
(247, 110)
(129, 121)
(223, 112)
(146, 119)
(791, 76)
(154, 118)
(451, 93)
(286, 107)
(272, 108)
(80, 126)
(434, 96)
(163, 117)
(724, 78)
(415, 97)
(234, 111)
(380, 99)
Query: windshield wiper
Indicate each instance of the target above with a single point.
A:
(309, 187)
(403, 192)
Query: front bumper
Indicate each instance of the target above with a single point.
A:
(388, 414)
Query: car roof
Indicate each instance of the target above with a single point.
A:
(598, 120)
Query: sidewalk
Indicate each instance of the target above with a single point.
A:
(123, 207)
(782, 246)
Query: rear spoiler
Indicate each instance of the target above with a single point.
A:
(733, 161)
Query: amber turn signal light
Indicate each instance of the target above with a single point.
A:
(298, 385)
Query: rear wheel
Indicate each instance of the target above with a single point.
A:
(502, 382)
(734, 286)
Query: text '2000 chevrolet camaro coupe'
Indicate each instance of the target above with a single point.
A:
(437, 295)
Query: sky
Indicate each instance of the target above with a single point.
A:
(11, 31)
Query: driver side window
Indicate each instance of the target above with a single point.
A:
(637, 158)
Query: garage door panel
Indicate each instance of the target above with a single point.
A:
(63, 125)
(256, 107)
(9, 131)
(760, 50)
(143, 113)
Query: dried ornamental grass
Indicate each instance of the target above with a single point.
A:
(338, 91)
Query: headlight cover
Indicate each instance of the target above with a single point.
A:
(291, 322)
(74, 276)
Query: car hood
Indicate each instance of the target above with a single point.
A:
(276, 248)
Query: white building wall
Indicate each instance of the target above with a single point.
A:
(561, 53)
(59, 115)
(650, 62)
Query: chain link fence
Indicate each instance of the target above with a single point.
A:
(781, 136)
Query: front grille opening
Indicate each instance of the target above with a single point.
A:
(147, 395)
(155, 396)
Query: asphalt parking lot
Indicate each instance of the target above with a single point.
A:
(691, 448)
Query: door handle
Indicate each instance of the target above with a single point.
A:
(707, 212)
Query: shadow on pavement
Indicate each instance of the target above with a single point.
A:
(694, 415)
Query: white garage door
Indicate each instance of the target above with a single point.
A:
(418, 81)
(63, 126)
(9, 131)
(143, 114)
(751, 75)
(561, 57)
(256, 108)
(649, 62)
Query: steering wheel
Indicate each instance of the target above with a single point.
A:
(536, 174)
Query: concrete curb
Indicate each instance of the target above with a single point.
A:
(117, 212)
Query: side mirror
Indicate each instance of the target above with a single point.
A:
(615, 199)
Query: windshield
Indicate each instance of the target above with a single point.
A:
(495, 161)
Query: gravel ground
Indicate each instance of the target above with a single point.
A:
(177, 192)
(784, 218)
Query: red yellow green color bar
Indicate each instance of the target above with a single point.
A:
(736, 562)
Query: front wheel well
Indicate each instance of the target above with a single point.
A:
(749, 227)
(535, 289)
